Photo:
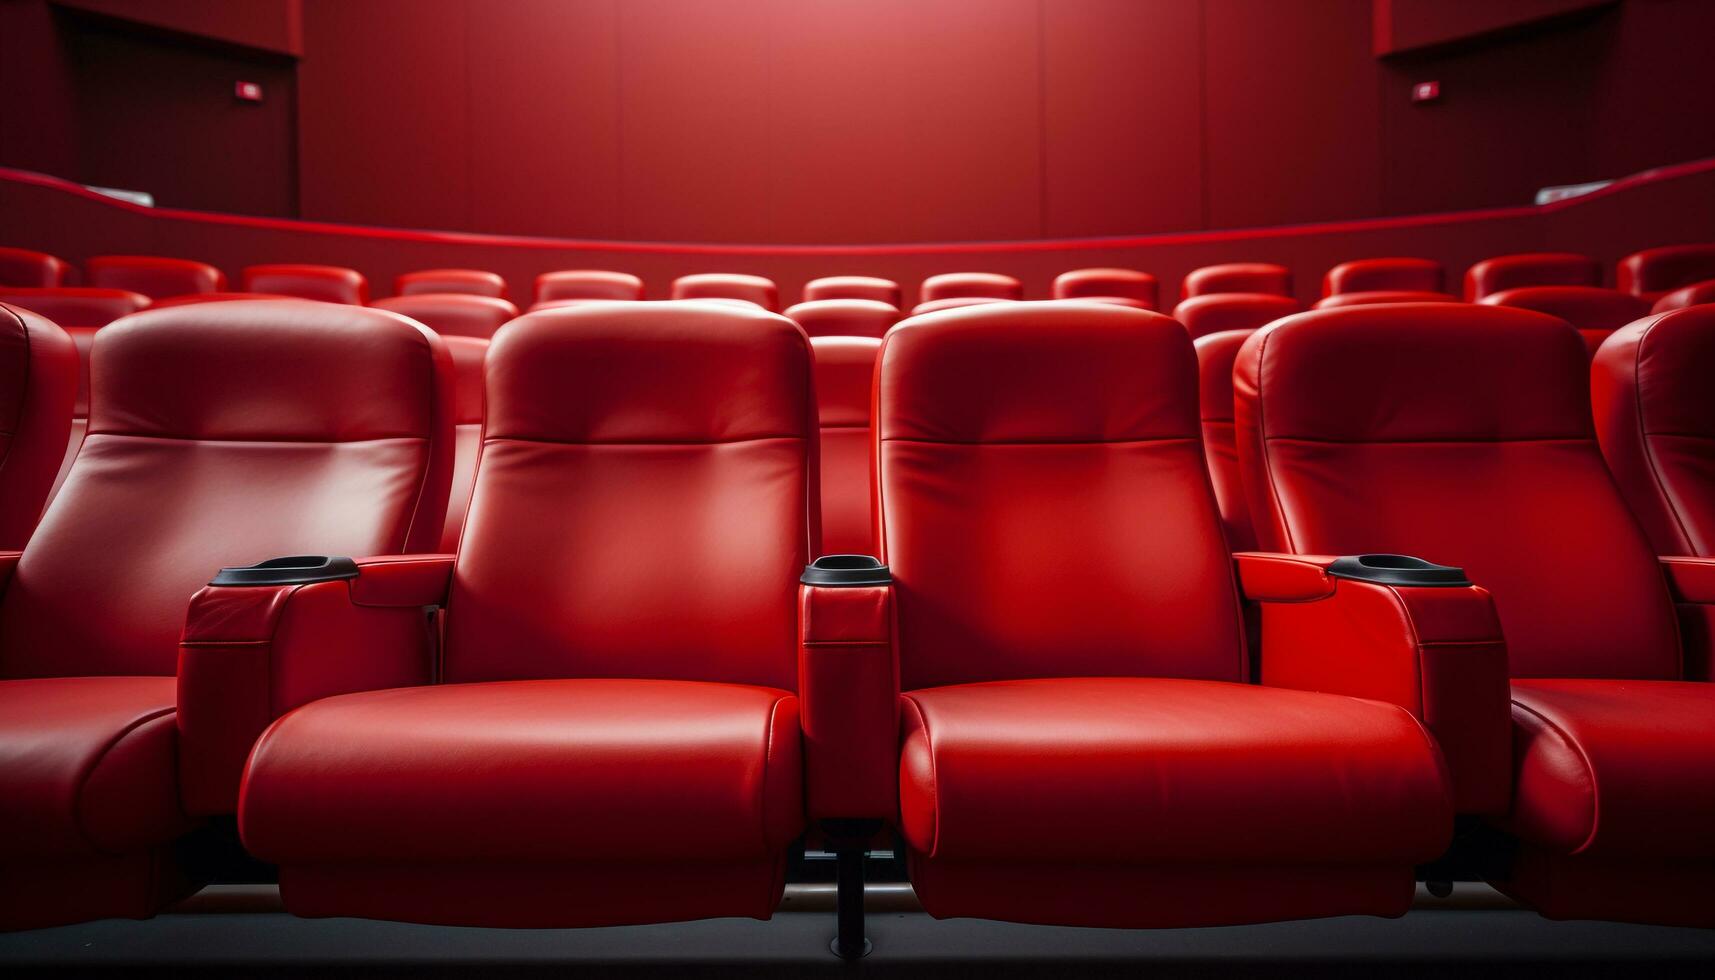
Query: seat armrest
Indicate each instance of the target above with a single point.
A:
(251, 653)
(1692, 582)
(848, 685)
(1437, 651)
(1691, 579)
(8, 562)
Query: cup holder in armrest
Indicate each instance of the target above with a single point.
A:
(295, 570)
(1397, 570)
(845, 572)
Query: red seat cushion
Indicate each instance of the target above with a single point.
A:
(87, 766)
(1147, 770)
(1616, 768)
(537, 771)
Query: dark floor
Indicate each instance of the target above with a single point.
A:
(1474, 933)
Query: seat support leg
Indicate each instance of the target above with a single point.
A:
(850, 842)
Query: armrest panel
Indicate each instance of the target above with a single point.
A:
(1692, 582)
(848, 682)
(1437, 652)
(250, 654)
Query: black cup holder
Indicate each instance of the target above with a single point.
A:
(846, 572)
(293, 570)
(1398, 570)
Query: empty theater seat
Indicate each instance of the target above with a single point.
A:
(845, 367)
(1655, 271)
(1220, 312)
(38, 388)
(453, 314)
(1372, 297)
(955, 302)
(1462, 434)
(23, 267)
(853, 287)
(327, 283)
(614, 736)
(1390, 274)
(153, 276)
(472, 282)
(218, 436)
(1122, 287)
(728, 285)
(1071, 658)
(970, 285)
(198, 299)
(586, 284)
(1693, 295)
(844, 317)
(1238, 277)
(1593, 311)
(1505, 272)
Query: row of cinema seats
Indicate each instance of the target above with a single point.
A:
(623, 694)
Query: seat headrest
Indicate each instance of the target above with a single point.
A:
(328, 283)
(1428, 372)
(1238, 277)
(622, 372)
(1695, 294)
(474, 282)
(587, 284)
(853, 287)
(1100, 283)
(154, 275)
(844, 317)
(453, 314)
(1505, 272)
(76, 306)
(958, 285)
(728, 285)
(267, 370)
(845, 372)
(1367, 275)
(1656, 270)
(1585, 307)
(1664, 361)
(1373, 297)
(1054, 371)
(1220, 312)
(1216, 355)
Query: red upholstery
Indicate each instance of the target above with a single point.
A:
(38, 389)
(1650, 393)
(453, 314)
(1654, 271)
(76, 306)
(468, 355)
(1041, 483)
(726, 285)
(587, 284)
(1695, 294)
(1593, 311)
(967, 285)
(1216, 353)
(328, 283)
(1238, 277)
(196, 299)
(954, 303)
(844, 317)
(1125, 287)
(1461, 434)
(471, 282)
(1373, 297)
(1219, 312)
(853, 287)
(23, 267)
(1391, 274)
(628, 570)
(153, 276)
(1505, 272)
(845, 368)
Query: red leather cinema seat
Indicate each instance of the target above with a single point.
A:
(853, 287)
(1463, 434)
(970, 285)
(1238, 277)
(1071, 654)
(1390, 274)
(153, 276)
(954, 303)
(580, 284)
(1654, 271)
(466, 323)
(327, 283)
(845, 368)
(1372, 297)
(23, 267)
(844, 317)
(1695, 294)
(1122, 287)
(1593, 311)
(728, 285)
(38, 384)
(472, 282)
(1220, 312)
(219, 434)
(1505, 272)
(614, 736)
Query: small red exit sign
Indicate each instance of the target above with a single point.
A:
(248, 91)
(1426, 91)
